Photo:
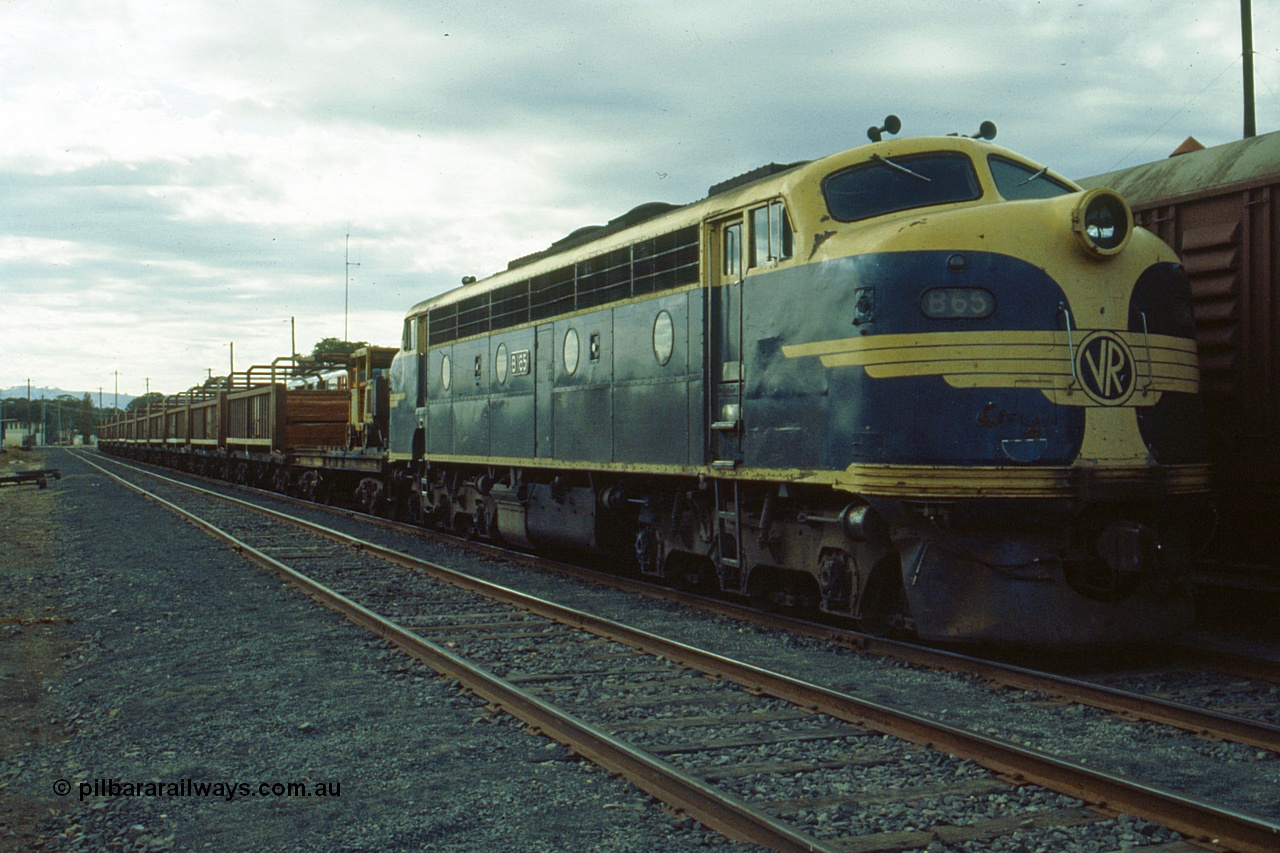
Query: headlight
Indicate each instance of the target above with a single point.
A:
(1102, 222)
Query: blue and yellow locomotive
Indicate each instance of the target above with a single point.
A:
(926, 384)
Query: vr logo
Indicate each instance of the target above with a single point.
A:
(1105, 368)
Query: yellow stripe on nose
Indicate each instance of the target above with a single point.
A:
(1018, 359)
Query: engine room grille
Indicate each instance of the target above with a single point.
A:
(658, 263)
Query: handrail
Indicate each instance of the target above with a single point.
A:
(1147, 339)
(1071, 347)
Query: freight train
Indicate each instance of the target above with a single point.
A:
(925, 384)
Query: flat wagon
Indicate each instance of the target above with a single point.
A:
(295, 426)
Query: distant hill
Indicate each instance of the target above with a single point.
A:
(20, 392)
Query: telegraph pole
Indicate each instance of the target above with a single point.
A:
(1246, 41)
(346, 289)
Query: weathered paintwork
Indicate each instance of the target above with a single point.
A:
(969, 408)
(619, 405)
(742, 420)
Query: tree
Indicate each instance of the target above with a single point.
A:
(86, 416)
(333, 346)
(145, 400)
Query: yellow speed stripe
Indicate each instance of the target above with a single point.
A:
(925, 481)
(1004, 359)
(863, 343)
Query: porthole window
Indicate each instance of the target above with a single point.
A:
(501, 363)
(664, 337)
(446, 373)
(571, 351)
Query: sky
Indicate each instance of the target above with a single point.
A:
(184, 180)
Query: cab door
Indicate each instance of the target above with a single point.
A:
(724, 342)
(405, 402)
(543, 382)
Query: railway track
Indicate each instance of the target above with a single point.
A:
(757, 755)
(1215, 694)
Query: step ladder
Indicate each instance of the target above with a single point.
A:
(729, 532)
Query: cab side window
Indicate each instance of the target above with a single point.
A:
(770, 235)
(732, 251)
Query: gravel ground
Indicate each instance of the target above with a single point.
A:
(1241, 777)
(133, 648)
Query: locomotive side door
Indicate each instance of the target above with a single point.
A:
(543, 380)
(724, 342)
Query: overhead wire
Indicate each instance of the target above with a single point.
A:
(1176, 113)
(1267, 85)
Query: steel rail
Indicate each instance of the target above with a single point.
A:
(712, 807)
(1154, 709)
(1195, 818)
(1198, 721)
(1167, 712)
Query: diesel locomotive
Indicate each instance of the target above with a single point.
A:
(925, 384)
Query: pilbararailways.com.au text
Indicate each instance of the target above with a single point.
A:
(229, 791)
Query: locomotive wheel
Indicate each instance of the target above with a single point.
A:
(690, 574)
(480, 522)
(883, 609)
(764, 592)
(647, 551)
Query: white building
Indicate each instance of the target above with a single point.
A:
(13, 433)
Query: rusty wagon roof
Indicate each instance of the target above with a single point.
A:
(1242, 162)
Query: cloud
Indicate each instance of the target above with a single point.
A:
(179, 176)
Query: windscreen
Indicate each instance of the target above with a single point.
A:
(1017, 181)
(890, 184)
